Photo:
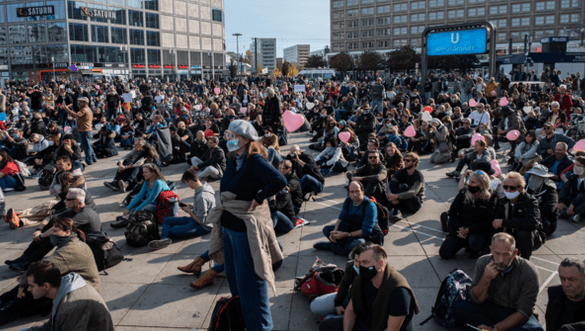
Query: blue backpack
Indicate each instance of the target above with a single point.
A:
(453, 289)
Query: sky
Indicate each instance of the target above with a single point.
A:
(291, 23)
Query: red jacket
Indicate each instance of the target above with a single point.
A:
(566, 104)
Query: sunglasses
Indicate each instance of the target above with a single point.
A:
(511, 188)
(372, 157)
(408, 160)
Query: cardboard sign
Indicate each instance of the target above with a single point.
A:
(300, 88)
(127, 97)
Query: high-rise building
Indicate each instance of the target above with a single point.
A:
(144, 38)
(384, 25)
(297, 54)
(266, 52)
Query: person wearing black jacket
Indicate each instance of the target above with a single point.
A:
(282, 212)
(272, 114)
(566, 302)
(571, 197)
(463, 135)
(140, 125)
(544, 190)
(518, 214)
(128, 168)
(306, 169)
(374, 177)
(365, 124)
(198, 146)
(294, 185)
(37, 126)
(212, 163)
(113, 101)
(470, 217)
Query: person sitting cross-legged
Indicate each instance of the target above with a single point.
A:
(406, 189)
(357, 223)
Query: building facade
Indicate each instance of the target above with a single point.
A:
(297, 54)
(384, 25)
(263, 53)
(137, 38)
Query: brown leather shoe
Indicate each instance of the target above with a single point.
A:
(205, 280)
(193, 267)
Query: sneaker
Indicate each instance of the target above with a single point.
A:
(445, 222)
(159, 244)
(322, 246)
(12, 218)
(576, 218)
(301, 222)
(8, 189)
(452, 174)
(120, 223)
(397, 216)
(112, 185)
(308, 196)
(123, 186)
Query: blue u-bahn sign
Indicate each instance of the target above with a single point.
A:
(458, 42)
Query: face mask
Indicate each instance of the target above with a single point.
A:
(233, 145)
(511, 195)
(323, 115)
(15, 136)
(59, 241)
(535, 182)
(577, 170)
(368, 273)
(357, 270)
(267, 135)
(473, 189)
(379, 118)
(388, 124)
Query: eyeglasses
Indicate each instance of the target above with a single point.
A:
(511, 188)
(408, 160)
(372, 157)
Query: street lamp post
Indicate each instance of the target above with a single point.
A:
(211, 62)
(238, 35)
(53, 60)
(122, 49)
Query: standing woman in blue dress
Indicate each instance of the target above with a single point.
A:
(243, 236)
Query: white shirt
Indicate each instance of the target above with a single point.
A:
(477, 118)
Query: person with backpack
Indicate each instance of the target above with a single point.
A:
(373, 176)
(357, 223)
(504, 291)
(470, 217)
(381, 297)
(195, 224)
(72, 254)
(154, 183)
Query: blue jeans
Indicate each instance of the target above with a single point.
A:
(217, 267)
(111, 113)
(343, 246)
(282, 223)
(85, 138)
(273, 157)
(128, 142)
(7, 182)
(181, 227)
(311, 184)
(489, 314)
(243, 281)
(379, 104)
(411, 205)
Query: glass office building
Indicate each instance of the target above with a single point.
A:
(137, 38)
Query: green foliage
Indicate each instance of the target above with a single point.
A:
(402, 59)
(314, 61)
(340, 62)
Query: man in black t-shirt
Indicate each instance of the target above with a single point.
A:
(381, 298)
(113, 101)
(406, 190)
(36, 100)
(566, 303)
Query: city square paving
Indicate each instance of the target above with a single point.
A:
(149, 293)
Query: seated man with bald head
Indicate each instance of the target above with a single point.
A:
(504, 291)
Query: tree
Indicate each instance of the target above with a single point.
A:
(371, 61)
(403, 59)
(233, 68)
(259, 69)
(285, 68)
(314, 61)
(292, 70)
(341, 62)
(248, 57)
(276, 72)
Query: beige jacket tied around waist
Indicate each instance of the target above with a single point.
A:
(261, 237)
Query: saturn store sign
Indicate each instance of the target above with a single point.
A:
(35, 11)
(98, 13)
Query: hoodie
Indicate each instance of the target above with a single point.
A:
(204, 200)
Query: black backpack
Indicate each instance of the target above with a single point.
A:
(46, 176)
(454, 288)
(105, 251)
(142, 228)
(227, 315)
(383, 216)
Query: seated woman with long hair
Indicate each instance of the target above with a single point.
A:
(8, 171)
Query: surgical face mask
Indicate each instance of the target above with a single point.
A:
(233, 145)
(357, 270)
(368, 273)
(577, 170)
(388, 124)
(267, 135)
(511, 195)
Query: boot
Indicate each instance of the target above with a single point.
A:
(205, 280)
(194, 267)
